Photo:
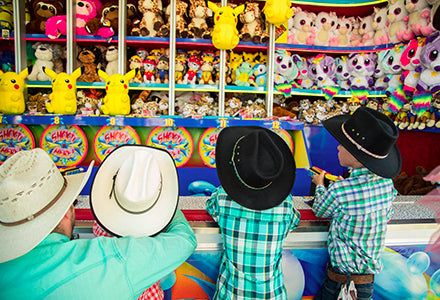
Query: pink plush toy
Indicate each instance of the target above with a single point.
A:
(398, 17)
(344, 29)
(325, 27)
(380, 24)
(419, 17)
(367, 31)
(85, 11)
(300, 27)
(412, 65)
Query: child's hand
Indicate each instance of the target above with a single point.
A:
(319, 179)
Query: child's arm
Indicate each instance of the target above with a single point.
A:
(295, 219)
(212, 206)
(325, 202)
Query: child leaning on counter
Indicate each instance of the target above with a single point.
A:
(254, 210)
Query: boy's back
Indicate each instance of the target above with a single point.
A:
(253, 242)
(254, 211)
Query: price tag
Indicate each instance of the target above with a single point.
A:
(169, 122)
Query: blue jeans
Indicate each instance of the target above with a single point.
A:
(330, 290)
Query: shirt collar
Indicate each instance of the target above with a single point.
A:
(360, 172)
(53, 238)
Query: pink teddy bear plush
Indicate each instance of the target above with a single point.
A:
(85, 11)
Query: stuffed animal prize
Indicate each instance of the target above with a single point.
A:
(225, 33)
(277, 12)
(117, 100)
(62, 100)
(11, 92)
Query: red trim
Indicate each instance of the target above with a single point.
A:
(197, 215)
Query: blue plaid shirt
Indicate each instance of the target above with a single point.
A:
(360, 207)
(253, 242)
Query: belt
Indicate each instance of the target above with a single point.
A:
(357, 279)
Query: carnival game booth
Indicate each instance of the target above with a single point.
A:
(80, 91)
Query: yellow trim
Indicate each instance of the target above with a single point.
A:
(338, 4)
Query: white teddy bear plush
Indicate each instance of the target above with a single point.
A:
(45, 55)
(111, 56)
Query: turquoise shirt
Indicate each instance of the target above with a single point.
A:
(253, 240)
(99, 268)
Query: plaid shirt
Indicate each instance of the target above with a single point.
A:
(253, 244)
(360, 207)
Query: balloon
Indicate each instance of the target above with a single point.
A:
(418, 263)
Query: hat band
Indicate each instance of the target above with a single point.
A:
(360, 147)
(41, 211)
(238, 175)
(122, 207)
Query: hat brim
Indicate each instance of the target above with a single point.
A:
(388, 167)
(253, 199)
(17, 240)
(119, 222)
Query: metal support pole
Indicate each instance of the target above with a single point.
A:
(270, 69)
(122, 31)
(172, 60)
(71, 52)
(19, 36)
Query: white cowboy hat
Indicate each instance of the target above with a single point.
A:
(34, 197)
(135, 191)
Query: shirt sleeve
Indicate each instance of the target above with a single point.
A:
(324, 204)
(212, 205)
(148, 259)
(296, 219)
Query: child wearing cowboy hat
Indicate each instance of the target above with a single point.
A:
(254, 210)
(361, 205)
(134, 195)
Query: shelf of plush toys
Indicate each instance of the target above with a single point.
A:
(165, 121)
(362, 9)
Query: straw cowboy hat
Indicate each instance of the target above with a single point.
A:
(135, 191)
(255, 166)
(370, 136)
(34, 197)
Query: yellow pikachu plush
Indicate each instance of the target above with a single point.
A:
(117, 100)
(62, 100)
(12, 92)
(225, 33)
(277, 12)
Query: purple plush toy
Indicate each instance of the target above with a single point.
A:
(322, 70)
(361, 67)
(430, 57)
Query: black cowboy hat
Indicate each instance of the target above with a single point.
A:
(370, 136)
(255, 166)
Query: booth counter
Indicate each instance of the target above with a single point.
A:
(409, 270)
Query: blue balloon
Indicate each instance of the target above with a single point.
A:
(201, 187)
(396, 282)
(434, 283)
(168, 281)
(418, 263)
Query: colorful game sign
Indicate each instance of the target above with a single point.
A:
(286, 137)
(66, 144)
(14, 138)
(206, 146)
(111, 137)
(176, 140)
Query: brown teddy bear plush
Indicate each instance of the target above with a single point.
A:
(106, 22)
(43, 10)
(90, 57)
(134, 16)
(413, 185)
(152, 18)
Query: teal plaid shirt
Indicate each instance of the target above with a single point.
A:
(360, 207)
(253, 242)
